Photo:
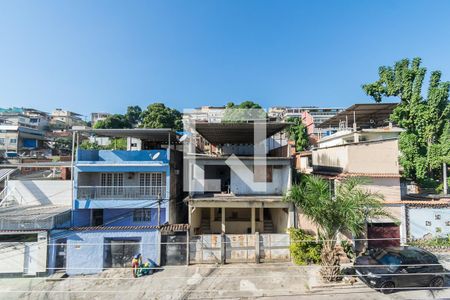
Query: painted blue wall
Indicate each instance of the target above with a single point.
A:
(118, 217)
(122, 156)
(418, 218)
(85, 249)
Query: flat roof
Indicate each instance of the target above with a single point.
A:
(235, 133)
(364, 113)
(148, 134)
(31, 217)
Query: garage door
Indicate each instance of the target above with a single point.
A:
(119, 253)
(384, 235)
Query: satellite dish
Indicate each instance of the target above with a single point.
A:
(156, 155)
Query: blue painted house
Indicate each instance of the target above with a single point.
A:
(121, 201)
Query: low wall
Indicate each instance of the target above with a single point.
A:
(215, 248)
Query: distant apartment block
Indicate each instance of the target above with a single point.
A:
(64, 119)
(98, 116)
(319, 115)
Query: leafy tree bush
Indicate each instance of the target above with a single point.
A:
(157, 115)
(347, 210)
(298, 133)
(425, 144)
(304, 248)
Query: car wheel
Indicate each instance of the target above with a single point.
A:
(387, 287)
(437, 282)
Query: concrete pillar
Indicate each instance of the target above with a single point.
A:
(257, 250)
(291, 216)
(188, 258)
(223, 220)
(253, 220)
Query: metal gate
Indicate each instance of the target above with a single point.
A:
(383, 235)
(173, 249)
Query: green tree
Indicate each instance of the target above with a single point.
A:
(63, 144)
(345, 210)
(157, 115)
(245, 111)
(424, 119)
(298, 133)
(115, 121)
(133, 114)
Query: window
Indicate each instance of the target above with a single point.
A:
(447, 223)
(112, 183)
(13, 141)
(142, 215)
(10, 238)
(427, 223)
(2, 141)
(152, 184)
(437, 217)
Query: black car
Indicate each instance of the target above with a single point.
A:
(399, 267)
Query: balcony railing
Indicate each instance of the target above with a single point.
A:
(122, 192)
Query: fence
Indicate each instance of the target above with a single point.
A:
(216, 248)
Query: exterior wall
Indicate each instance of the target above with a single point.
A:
(278, 186)
(280, 219)
(281, 177)
(13, 255)
(42, 192)
(373, 157)
(388, 187)
(85, 249)
(117, 217)
(330, 158)
(376, 157)
(424, 222)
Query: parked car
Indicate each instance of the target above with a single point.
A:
(399, 267)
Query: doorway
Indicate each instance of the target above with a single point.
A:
(97, 217)
(30, 259)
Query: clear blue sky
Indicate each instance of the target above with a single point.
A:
(104, 55)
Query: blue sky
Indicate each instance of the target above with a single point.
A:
(104, 55)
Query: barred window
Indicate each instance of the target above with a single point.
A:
(142, 215)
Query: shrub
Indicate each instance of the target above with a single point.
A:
(304, 247)
(434, 242)
(348, 249)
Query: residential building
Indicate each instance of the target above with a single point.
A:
(123, 200)
(64, 119)
(318, 114)
(241, 195)
(26, 117)
(98, 116)
(29, 211)
(20, 140)
(368, 149)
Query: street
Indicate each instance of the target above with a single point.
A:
(266, 281)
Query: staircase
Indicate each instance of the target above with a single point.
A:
(205, 227)
(268, 226)
(7, 198)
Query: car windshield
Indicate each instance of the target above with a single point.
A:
(389, 259)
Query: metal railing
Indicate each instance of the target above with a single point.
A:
(121, 192)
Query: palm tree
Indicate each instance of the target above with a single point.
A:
(343, 209)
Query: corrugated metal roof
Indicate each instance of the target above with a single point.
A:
(365, 114)
(236, 133)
